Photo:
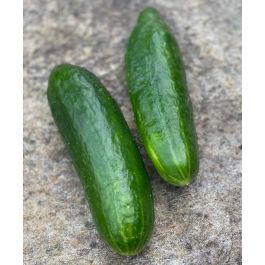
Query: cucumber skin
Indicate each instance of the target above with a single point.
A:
(161, 103)
(105, 157)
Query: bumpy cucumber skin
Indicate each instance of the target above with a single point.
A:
(105, 157)
(160, 99)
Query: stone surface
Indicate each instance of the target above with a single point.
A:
(200, 224)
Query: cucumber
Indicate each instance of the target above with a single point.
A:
(161, 103)
(105, 157)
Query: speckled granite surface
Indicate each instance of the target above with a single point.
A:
(200, 224)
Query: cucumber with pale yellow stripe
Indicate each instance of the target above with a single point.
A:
(105, 157)
(161, 103)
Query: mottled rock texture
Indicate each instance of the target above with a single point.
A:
(200, 224)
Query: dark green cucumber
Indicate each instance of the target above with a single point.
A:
(160, 99)
(105, 157)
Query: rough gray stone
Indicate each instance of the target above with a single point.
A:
(200, 224)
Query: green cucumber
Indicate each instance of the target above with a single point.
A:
(105, 157)
(160, 99)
